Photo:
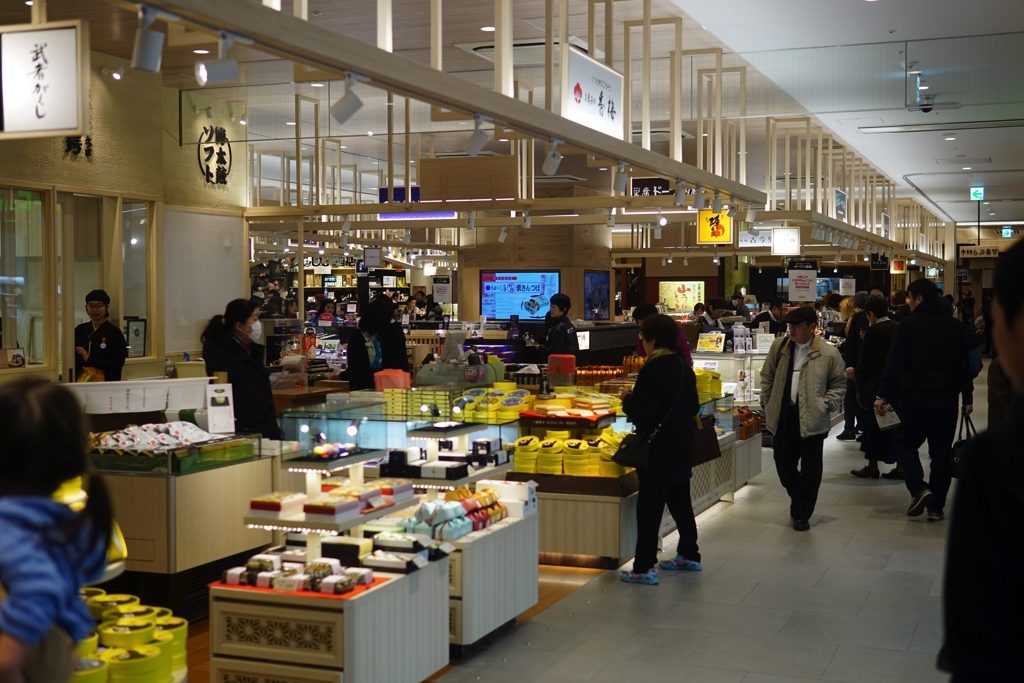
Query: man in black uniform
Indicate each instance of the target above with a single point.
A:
(561, 335)
(98, 343)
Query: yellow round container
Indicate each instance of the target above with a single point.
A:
(527, 444)
(99, 604)
(125, 633)
(134, 665)
(90, 670)
(177, 627)
(163, 612)
(507, 415)
(131, 611)
(165, 642)
(87, 646)
(550, 446)
(576, 446)
(506, 386)
(90, 592)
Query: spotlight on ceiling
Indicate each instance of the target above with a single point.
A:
(717, 203)
(348, 104)
(680, 197)
(471, 220)
(611, 218)
(503, 235)
(698, 198)
(669, 259)
(686, 260)
(222, 69)
(716, 260)
(527, 221)
(751, 214)
(552, 160)
(662, 221)
(149, 44)
(732, 210)
(620, 177)
(479, 139)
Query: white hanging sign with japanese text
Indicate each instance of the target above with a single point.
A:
(592, 95)
(44, 80)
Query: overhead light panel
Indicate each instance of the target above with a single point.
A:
(620, 177)
(221, 70)
(552, 160)
(348, 104)
(479, 139)
(148, 51)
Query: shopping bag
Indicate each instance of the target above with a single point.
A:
(956, 454)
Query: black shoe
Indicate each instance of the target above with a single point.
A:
(919, 503)
(865, 473)
(935, 516)
(860, 437)
(847, 436)
(895, 473)
(801, 525)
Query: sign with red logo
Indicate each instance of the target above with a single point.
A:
(592, 95)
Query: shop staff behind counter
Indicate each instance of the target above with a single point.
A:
(100, 348)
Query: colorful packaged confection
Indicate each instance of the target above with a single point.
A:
(332, 508)
(277, 505)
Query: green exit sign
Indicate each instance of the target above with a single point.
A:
(977, 194)
(1007, 233)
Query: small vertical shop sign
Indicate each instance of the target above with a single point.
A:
(214, 155)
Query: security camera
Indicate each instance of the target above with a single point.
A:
(926, 109)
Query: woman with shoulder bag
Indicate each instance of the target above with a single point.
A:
(662, 407)
(47, 551)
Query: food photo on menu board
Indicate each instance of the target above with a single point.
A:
(525, 293)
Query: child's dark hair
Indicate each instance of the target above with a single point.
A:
(44, 438)
(237, 311)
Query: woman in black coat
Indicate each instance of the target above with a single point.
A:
(230, 344)
(378, 344)
(665, 393)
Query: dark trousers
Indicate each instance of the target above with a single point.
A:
(652, 497)
(877, 444)
(798, 462)
(937, 426)
(851, 414)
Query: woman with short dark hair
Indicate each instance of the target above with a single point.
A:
(663, 402)
(378, 344)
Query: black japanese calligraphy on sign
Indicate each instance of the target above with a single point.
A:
(213, 152)
(40, 64)
(73, 146)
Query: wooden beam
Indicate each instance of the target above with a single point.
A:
(301, 41)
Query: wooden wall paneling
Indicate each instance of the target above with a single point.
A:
(583, 525)
(209, 508)
(141, 509)
(467, 178)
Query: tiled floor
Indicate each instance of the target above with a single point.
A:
(854, 600)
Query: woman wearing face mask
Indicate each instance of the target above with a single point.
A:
(231, 345)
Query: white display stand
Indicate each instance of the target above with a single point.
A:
(393, 632)
(493, 578)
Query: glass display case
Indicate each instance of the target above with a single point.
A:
(217, 452)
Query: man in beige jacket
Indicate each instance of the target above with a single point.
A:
(803, 381)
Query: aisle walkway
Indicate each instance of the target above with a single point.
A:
(854, 600)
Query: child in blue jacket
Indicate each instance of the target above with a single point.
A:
(47, 551)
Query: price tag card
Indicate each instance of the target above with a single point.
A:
(709, 365)
(764, 342)
(220, 409)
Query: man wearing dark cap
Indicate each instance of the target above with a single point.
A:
(803, 382)
(561, 335)
(99, 345)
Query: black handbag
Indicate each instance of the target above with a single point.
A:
(635, 449)
(956, 454)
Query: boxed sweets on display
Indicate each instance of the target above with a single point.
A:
(325, 575)
(277, 505)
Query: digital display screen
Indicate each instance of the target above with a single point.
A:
(525, 293)
(596, 284)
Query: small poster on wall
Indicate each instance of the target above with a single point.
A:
(847, 286)
(680, 296)
(442, 289)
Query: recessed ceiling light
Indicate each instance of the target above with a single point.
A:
(487, 29)
(922, 86)
(603, 168)
(289, 123)
(242, 122)
(502, 139)
(987, 203)
(344, 147)
(967, 168)
(370, 133)
(200, 51)
(950, 138)
(704, 135)
(316, 85)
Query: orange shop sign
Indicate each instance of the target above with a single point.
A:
(898, 266)
(713, 228)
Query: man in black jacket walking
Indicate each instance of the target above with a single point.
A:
(876, 444)
(926, 371)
